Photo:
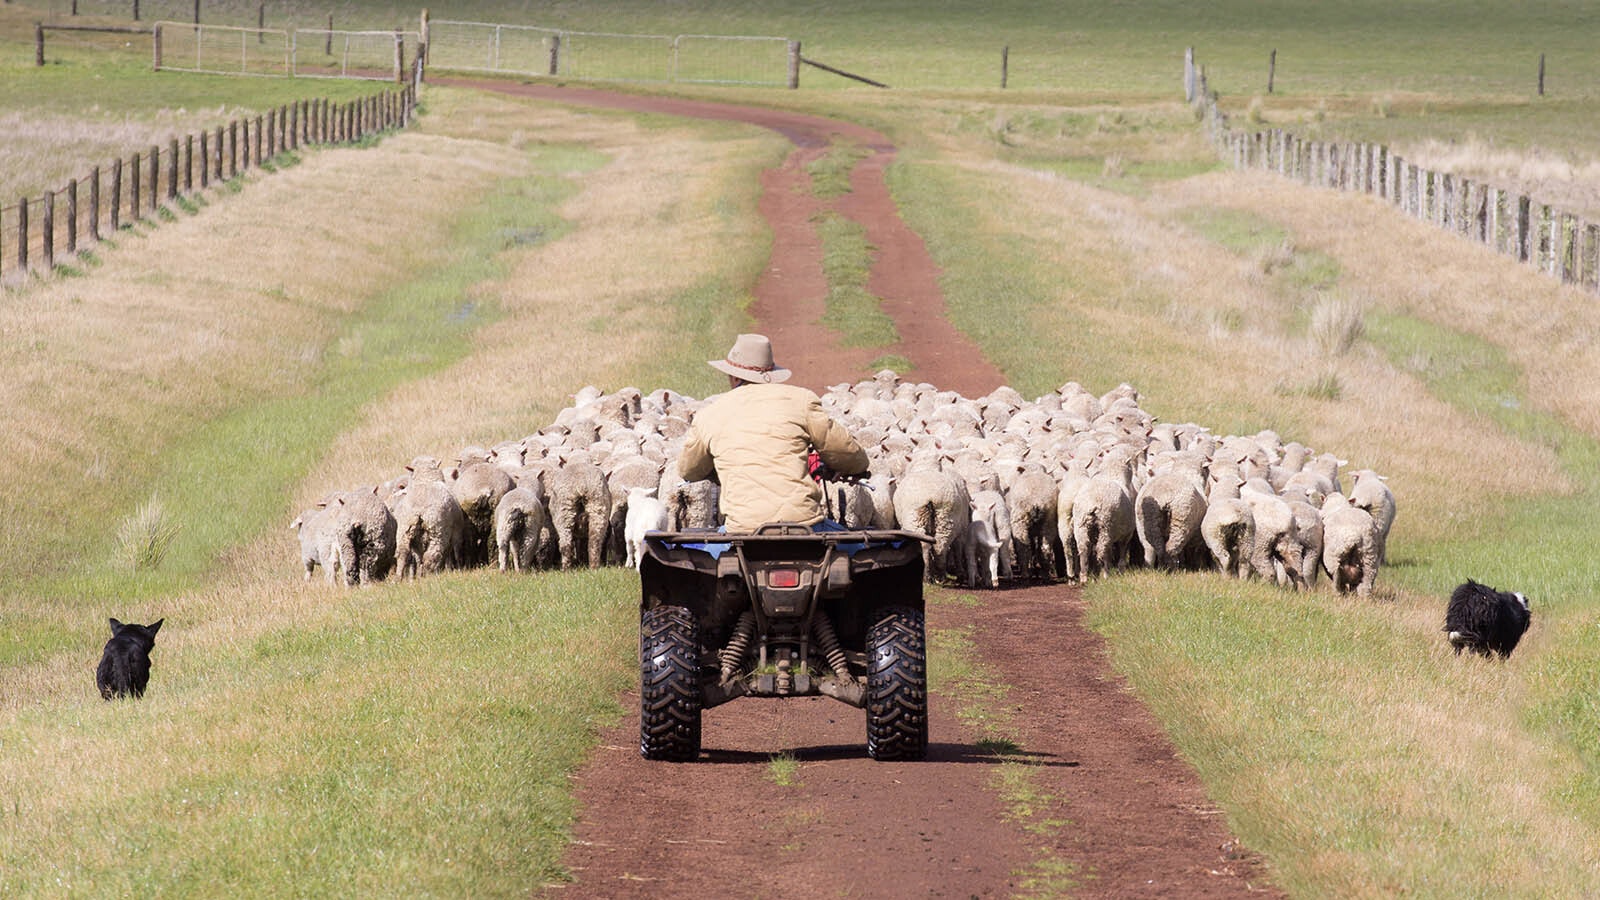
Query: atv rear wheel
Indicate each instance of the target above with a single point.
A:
(897, 686)
(669, 684)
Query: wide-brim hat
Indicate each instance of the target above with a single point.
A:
(750, 359)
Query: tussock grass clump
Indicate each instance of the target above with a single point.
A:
(1336, 325)
(144, 537)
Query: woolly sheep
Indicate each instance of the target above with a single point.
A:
(1032, 500)
(1369, 492)
(991, 535)
(623, 476)
(1168, 512)
(936, 503)
(1349, 546)
(1276, 554)
(430, 529)
(1103, 516)
(363, 530)
(646, 513)
(317, 548)
(1484, 620)
(580, 509)
(1228, 527)
(478, 487)
(519, 524)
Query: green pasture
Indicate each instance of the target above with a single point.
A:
(300, 740)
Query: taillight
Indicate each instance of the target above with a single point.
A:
(784, 578)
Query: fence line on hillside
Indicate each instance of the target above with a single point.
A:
(507, 49)
(39, 233)
(1555, 241)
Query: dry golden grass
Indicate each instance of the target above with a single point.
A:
(1571, 184)
(588, 309)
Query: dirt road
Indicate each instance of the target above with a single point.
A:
(1131, 818)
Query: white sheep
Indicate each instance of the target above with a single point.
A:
(317, 547)
(1369, 492)
(363, 531)
(1229, 527)
(936, 503)
(1032, 499)
(1276, 554)
(1349, 546)
(1168, 512)
(478, 486)
(991, 535)
(646, 513)
(1102, 515)
(430, 528)
(580, 509)
(520, 520)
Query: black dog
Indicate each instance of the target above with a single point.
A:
(1484, 620)
(125, 666)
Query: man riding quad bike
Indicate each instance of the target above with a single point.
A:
(780, 602)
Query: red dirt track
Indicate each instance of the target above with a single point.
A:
(1135, 821)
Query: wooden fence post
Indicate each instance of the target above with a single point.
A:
(1188, 75)
(136, 10)
(155, 178)
(188, 163)
(233, 148)
(22, 234)
(328, 48)
(72, 216)
(1591, 257)
(399, 56)
(261, 23)
(1005, 65)
(1523, 230)
(258, 142)
(157, 47)
(47, 229)
(205, 160)
(116, 195)
(1272, 68)
(94, 204)
(794, 65)
(172, 170)
(555, 54)
(197, 12)
(38, 44)
(135, 202)
(1541, 74)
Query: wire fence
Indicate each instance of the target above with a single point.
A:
(287, 53)
(1557, 242)
(602, 56)
(38, 234)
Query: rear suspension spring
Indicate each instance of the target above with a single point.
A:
(828, 643)
(732, 655)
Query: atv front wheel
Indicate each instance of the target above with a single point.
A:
(897, 686)
(669, 684)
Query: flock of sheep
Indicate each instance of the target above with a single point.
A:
(1069, 485)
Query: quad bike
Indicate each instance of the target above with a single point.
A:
(782, 612)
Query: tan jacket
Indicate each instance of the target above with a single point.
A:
(756, 437)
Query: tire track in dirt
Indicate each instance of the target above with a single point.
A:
(1137, 822)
